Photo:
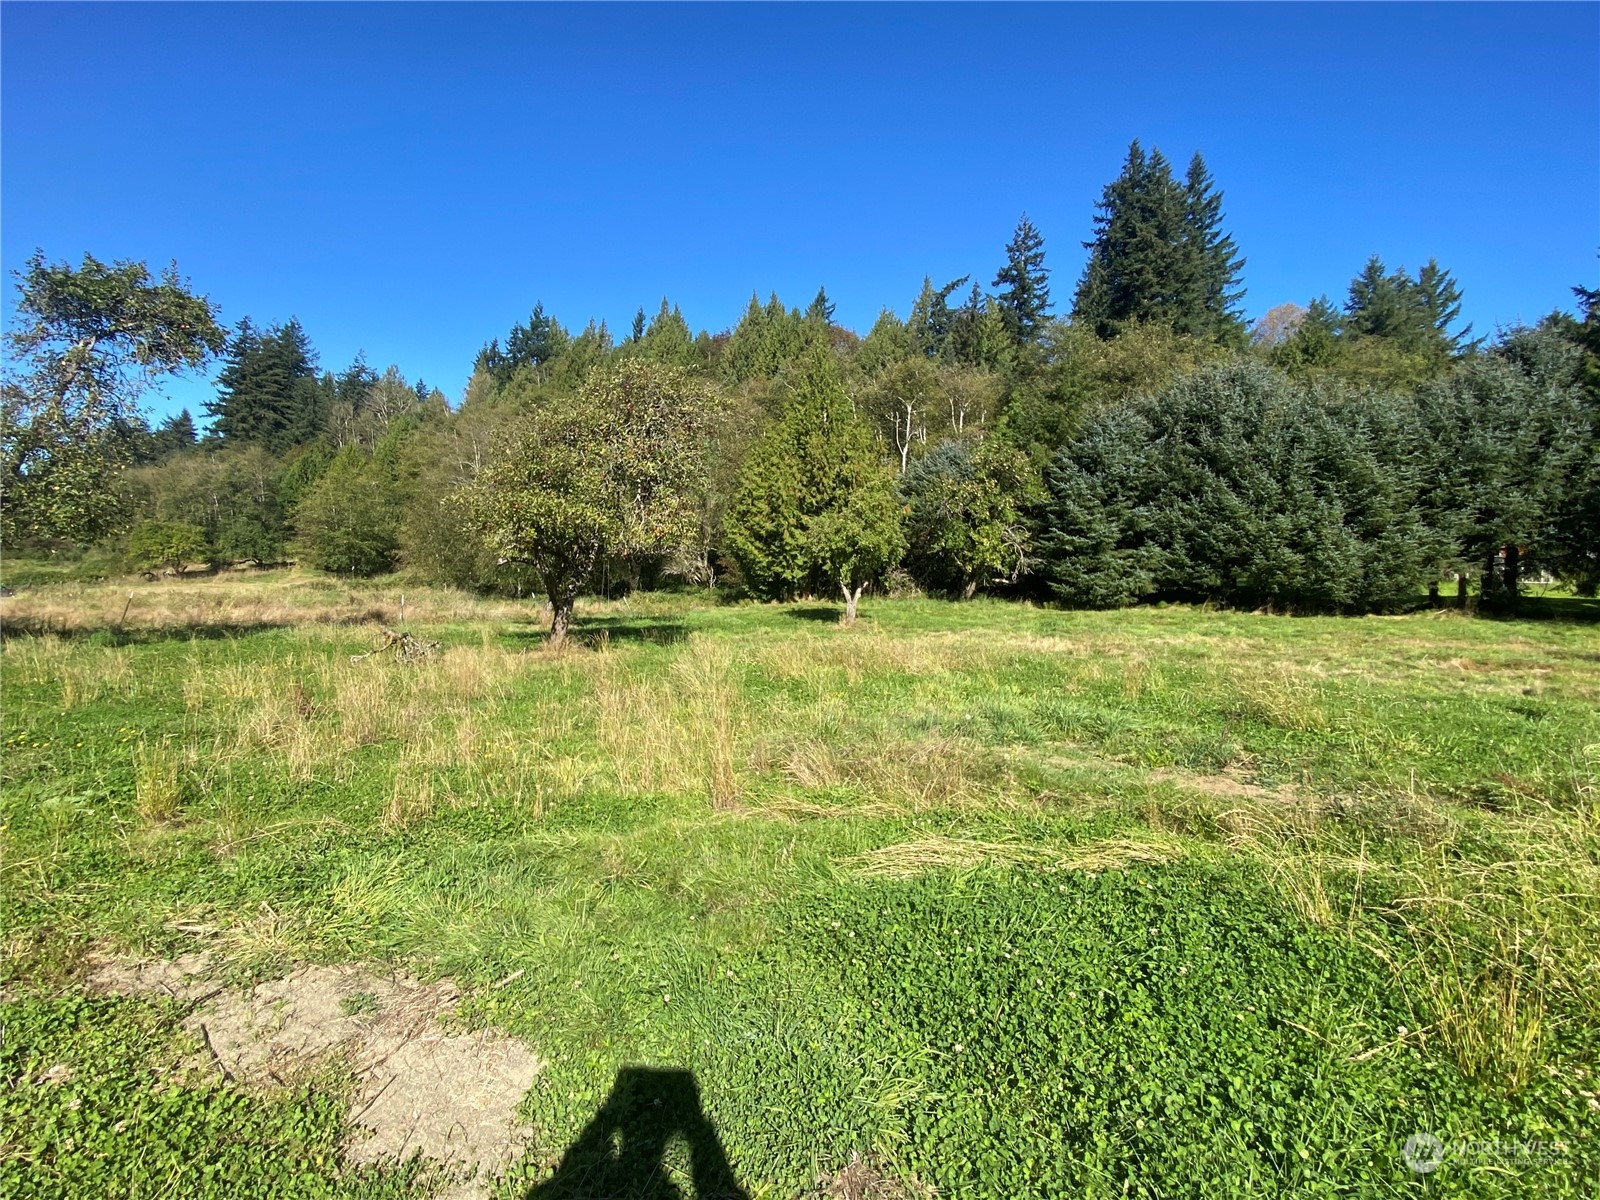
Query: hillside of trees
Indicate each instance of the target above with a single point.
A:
(1138, 442)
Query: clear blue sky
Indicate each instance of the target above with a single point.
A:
(409, 179)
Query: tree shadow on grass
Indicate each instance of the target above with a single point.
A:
(1582, 609)
(622, 1154)
(104, 635)
(596, 631)
(824, 614)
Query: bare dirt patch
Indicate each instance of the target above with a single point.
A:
(860, 1180)
(1229, 786)
(451, 1097)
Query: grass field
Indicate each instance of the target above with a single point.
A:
(972, 899)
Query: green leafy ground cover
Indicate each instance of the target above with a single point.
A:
(1014, 902)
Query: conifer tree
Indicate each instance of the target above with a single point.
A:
(887, 342)
(668, 340)
(931, 317)
(266, 393)
(816, 503)
(1160, 255)
(1024, 299)
(821, 308)
(978, 335)
(766, 339)
(1210, 309)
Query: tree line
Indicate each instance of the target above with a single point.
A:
(1345, 456)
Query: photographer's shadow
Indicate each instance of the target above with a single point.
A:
(622, 1154)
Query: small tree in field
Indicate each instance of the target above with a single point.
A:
(609, 474)
(346, 523)
(965, 524)
(168, 545)
(816, 501)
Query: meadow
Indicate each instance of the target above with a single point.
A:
(972, 899)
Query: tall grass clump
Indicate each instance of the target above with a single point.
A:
(157, 781)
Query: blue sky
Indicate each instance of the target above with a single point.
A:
(409, 179)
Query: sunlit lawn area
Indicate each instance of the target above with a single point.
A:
(1006, 900)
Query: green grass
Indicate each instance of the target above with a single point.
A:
(1211, 903)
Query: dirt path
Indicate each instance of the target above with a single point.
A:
(453, 1097)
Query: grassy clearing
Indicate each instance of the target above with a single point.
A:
(1010, 901)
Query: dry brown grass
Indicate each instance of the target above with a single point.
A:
(902, 774)
(680, 733)
(906, 859)
(1284, 694)
(310, 706)
(157, 781)
(238, 602)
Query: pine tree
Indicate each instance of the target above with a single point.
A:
(638, 325)
(1380, 303)
(1024, 301)
(537, 342)
(1136, 268)
(173, 436)
(266, 393)
(931, 317)
(1210, 309)
(1440, 300)
(1159, 254)
(821, 308)
(1409, 319)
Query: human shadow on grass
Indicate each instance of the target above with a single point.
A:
(622, 1153)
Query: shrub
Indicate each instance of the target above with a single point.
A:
(168, 545)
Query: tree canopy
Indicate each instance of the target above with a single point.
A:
(84, 344)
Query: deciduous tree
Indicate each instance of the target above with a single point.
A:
(608, 475)
(84, 344)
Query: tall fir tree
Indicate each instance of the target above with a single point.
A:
(267, 393)
(1211, 308)
(821, 308)
(931, 317)
(1415, 315)
(1160, 255)
(1024, 298)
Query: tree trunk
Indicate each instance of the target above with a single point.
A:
(1433, 594)
(851, 595)
(561, 605)
(1461, 590)
(1510, 574)
(969, 589)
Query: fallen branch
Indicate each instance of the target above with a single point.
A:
(402, 645)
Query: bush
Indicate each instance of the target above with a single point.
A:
(167, 545)
(346, 523)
